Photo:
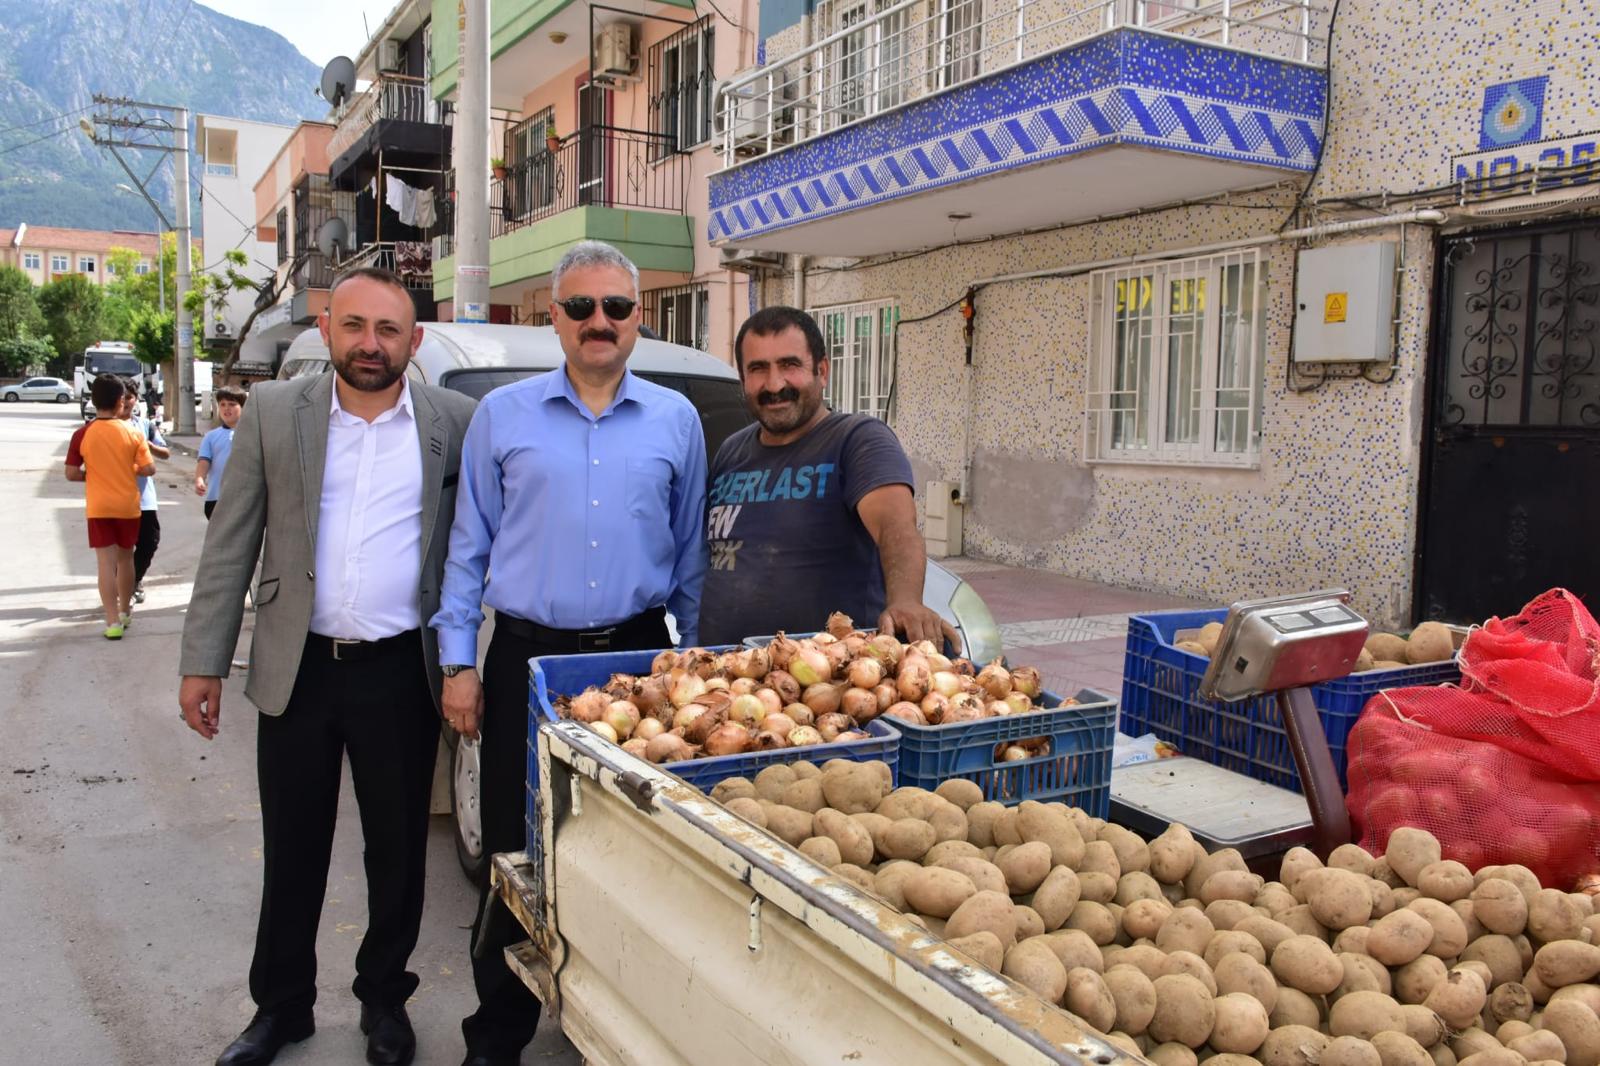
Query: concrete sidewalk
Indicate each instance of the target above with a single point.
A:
(1074, 632)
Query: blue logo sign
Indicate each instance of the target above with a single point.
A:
(1513, 113)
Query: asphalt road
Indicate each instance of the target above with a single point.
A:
(130, 849)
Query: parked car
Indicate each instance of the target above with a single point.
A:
(473, 359)
(42, 390)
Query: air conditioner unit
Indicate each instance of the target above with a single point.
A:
(750, 260)
(388, 55)
(747, 111)
(613, 52)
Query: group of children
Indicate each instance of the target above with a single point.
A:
(114, 456)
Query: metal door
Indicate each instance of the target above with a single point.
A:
(1510, 505)
(594, 143)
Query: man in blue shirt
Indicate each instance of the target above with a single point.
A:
(582, 501)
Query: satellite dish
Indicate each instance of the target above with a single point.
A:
(338, 80)
(333, 236)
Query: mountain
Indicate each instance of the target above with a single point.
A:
(56, 54)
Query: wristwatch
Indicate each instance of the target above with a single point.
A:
(452, 669)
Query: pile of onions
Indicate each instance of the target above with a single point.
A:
(795, 693)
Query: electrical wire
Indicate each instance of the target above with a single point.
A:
(894, 338)
(44, 121)
(36, 140)
(1327, 107)
(724, 18)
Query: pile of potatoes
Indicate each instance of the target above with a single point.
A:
(1184, 956)
(1430, 642)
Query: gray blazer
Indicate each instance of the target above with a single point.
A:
(272, 492)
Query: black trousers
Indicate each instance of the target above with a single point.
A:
(507, 1012)
(380, 712)
(149, 541)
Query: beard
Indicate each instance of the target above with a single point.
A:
(367, 378)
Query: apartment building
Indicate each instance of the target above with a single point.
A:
(47, 252)
(294, 201)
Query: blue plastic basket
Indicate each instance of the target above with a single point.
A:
(567, 675)
(1077, 770)
(1159, 695)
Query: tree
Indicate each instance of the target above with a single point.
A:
(24, 354)
(210, 291)
(153, 334)
(19, 306)
(72, 307)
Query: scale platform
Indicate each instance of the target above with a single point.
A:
(1223, 809)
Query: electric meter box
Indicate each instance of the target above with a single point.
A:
(1346, 304)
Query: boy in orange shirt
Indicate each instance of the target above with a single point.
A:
(115, 456)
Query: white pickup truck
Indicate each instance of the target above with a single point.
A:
(672, 932)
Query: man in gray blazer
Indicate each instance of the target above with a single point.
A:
(347, 481)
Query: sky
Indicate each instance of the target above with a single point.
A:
(321, 29)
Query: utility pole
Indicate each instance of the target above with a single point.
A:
(147, 127)
(472, 161)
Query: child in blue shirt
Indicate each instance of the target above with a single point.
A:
(217, 445)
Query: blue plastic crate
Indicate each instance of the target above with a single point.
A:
(567, 675)
(1077, 771)
(1160, 685)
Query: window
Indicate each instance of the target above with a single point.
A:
(31, 260)
(530, 182)
(283, 234)
(59, 264)
(860, 344)
(1175, 368)
(959, 41)
(680, 314)
(86, 264)
(221, 152)
(142, 267)
(680, 88)
(1160, 10)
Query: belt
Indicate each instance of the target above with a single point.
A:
(354, 651)
(580, 640)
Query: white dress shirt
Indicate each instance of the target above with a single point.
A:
(369, 532)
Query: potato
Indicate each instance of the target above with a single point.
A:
(1352, 857)
(1350, 1051)
(1096, 886)
(1226, 942)
(732, 788)
(1307, 964)
(1293, 1045)
(936, 891)
(945, 849)
(1500, 954)
(985, 910)
(821, 850)
(1231, 884)
(1541, 1044)
(1354, 939)
(1074, 947)
(1090, 998)
(803, 769)
(1172, 1054)
(1362, 973)
(980, 822)
(1032, 964)
(1445, 880)
(1300, 919)
(1387, 646)
(1029, 924)
(1268, 932)
(1294, 1007)
(1185, 1012)
(1409, 851)
(1241, 1024)
(1224, 913)
(1495, 1057)
(1587, 994)
(1469, 918)
(1140, 919)
(1149, 960)
(1553, 915)
(875, 825)
(1193, 965)
(1509, 1031)
(1481, 969)
(1399, 937)
(1577, 1027)
(748, 809)
(1099, 857)
(1364, 1015)
(889, 883)
(1185, 929)
(852, 787)
(1383, 901)
(983, 947)
(770, 782)
(1239, 972)
(1472, 1040)
(862, 879)
(1564, 962)
(1511, 1001)
(907, 838)
(1296, 863)
(985, 875)
(964, 794)
(1414, 980)
(1398, 1049)
(787, 824)
(1422, 1025)
(1449, 931)
(949, 822)
(1138, 885)
(1025, 867)
(1133, 854)
(1056, 896)
(1382, 871)
(1430, 642)
(1005, 828)
(855, 843)
(1338, 898)
(1095, 919)
(1134, 996)
(803, 795)
(1229, 1058)
(1172, 854)
(1458, 999)
(1210, 865)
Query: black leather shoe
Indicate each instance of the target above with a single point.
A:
(473, 1059)
(264, 1038)
(390, 1039)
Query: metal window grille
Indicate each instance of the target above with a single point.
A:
(1175, 368)
(859, 339)
(283, 233)
(681, 80)
(680, 314)
(530, 185)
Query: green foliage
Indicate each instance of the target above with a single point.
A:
(23, 354)
(72, 307)
(19, 306)
(153, 334)
(209, 290)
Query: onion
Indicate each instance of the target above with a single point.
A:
(782, 650)
(945, 683)
(1018, 702)
(752, 663)
(1025, 679)
(687, 715)
(637, 745)
(783, 683)
(839, 624)
(856, 645)
(964, 708)
(729, 738)
(809, 665)
(800, 714)
(860, 704)
(766, 740)
(937, 662)
(622, 717)
(925, 647)
(995, 679)
(997, 709)
(699, 661)
(866, 673)
(822, 638)
(885, 648)
(1014, 754)
(686, 689)
(907, 712)
(838, 656)
(742, 686)
(589, 706)
(830, 726)
(604, 730)
(668, 747)
(770, 700)
(717, 684)
(648, 729)
(854, 734)
(649, 694)
(887, 695)
(822, 698)
(697, 731)
(747, 710)
(664, 661)
(619, 686)
(913, 679)
(935, 705)
(802, 736)
(778, 723)
(962, 667)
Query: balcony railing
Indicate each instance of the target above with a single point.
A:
(392, 96)
(916, 48)
(602, 166)
(411, 261)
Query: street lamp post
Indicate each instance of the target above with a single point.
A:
(161, 275)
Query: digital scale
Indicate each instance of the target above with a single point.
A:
(1279, 646)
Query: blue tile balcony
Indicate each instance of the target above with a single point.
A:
(893, 135)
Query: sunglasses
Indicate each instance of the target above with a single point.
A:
(581, 308)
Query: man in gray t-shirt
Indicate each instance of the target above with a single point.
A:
(809, 511)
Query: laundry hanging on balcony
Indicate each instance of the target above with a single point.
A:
(401, 198)
(413, 258)
(426, 214)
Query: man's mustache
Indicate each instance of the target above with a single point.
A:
(607, 335)
(789, 394)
